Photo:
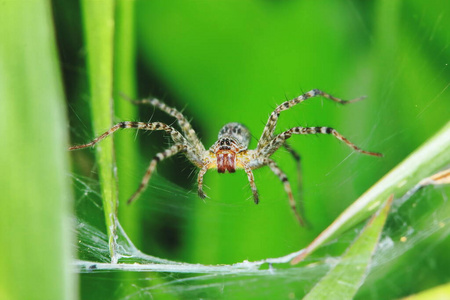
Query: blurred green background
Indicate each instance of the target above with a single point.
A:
(234, 61)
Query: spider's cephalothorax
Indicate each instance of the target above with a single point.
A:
(233, 139)
(230, 151)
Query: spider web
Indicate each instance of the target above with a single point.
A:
(417, 228)
(149, 276)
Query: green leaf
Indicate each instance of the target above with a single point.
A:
(345, 278)
(441, 292)
(422, 163)
(35, 197)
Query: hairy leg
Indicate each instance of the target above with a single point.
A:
(287, 186)
(202, 172)
(273, 119)
(297, 159)
(280, 139)
(177, 137)
(151, 168)
(185, 126)
(251, 180)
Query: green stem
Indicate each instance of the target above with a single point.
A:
(99, 34)
(125, 143)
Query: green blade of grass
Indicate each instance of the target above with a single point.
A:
(35, 201)
(344, 279)
(429, 158)
(98, 18)
(441, 292)
(125, 144)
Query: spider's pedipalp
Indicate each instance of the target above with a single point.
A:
(280, 139)
(151, 168)
(273, 119)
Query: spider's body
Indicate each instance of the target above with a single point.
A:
(230, 151)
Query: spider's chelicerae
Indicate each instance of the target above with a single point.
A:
(230, 151)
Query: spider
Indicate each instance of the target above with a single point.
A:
(230, 151)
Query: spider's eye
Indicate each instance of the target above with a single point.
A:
(234, 134)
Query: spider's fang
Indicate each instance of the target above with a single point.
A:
(226, 161)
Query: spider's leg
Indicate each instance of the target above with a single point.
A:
(185, 126)
(280, 139)
(250, 176)
(177, 137)
(151, 168)
(181, 144)
(297, 159)
(97, 139)
(273, 119)
(287, 187)
(202, 172)
(251, 180)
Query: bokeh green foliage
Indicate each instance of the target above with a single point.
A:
(236, 67)
(234, 61)
(36, 237)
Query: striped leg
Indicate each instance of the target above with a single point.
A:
(182, 121)
(250, 176)
(202, 172)
(287, 187)
(176, 136)
(297, 158)
(273, 119)
(151, 168)
(251, 180)
(280, 139)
